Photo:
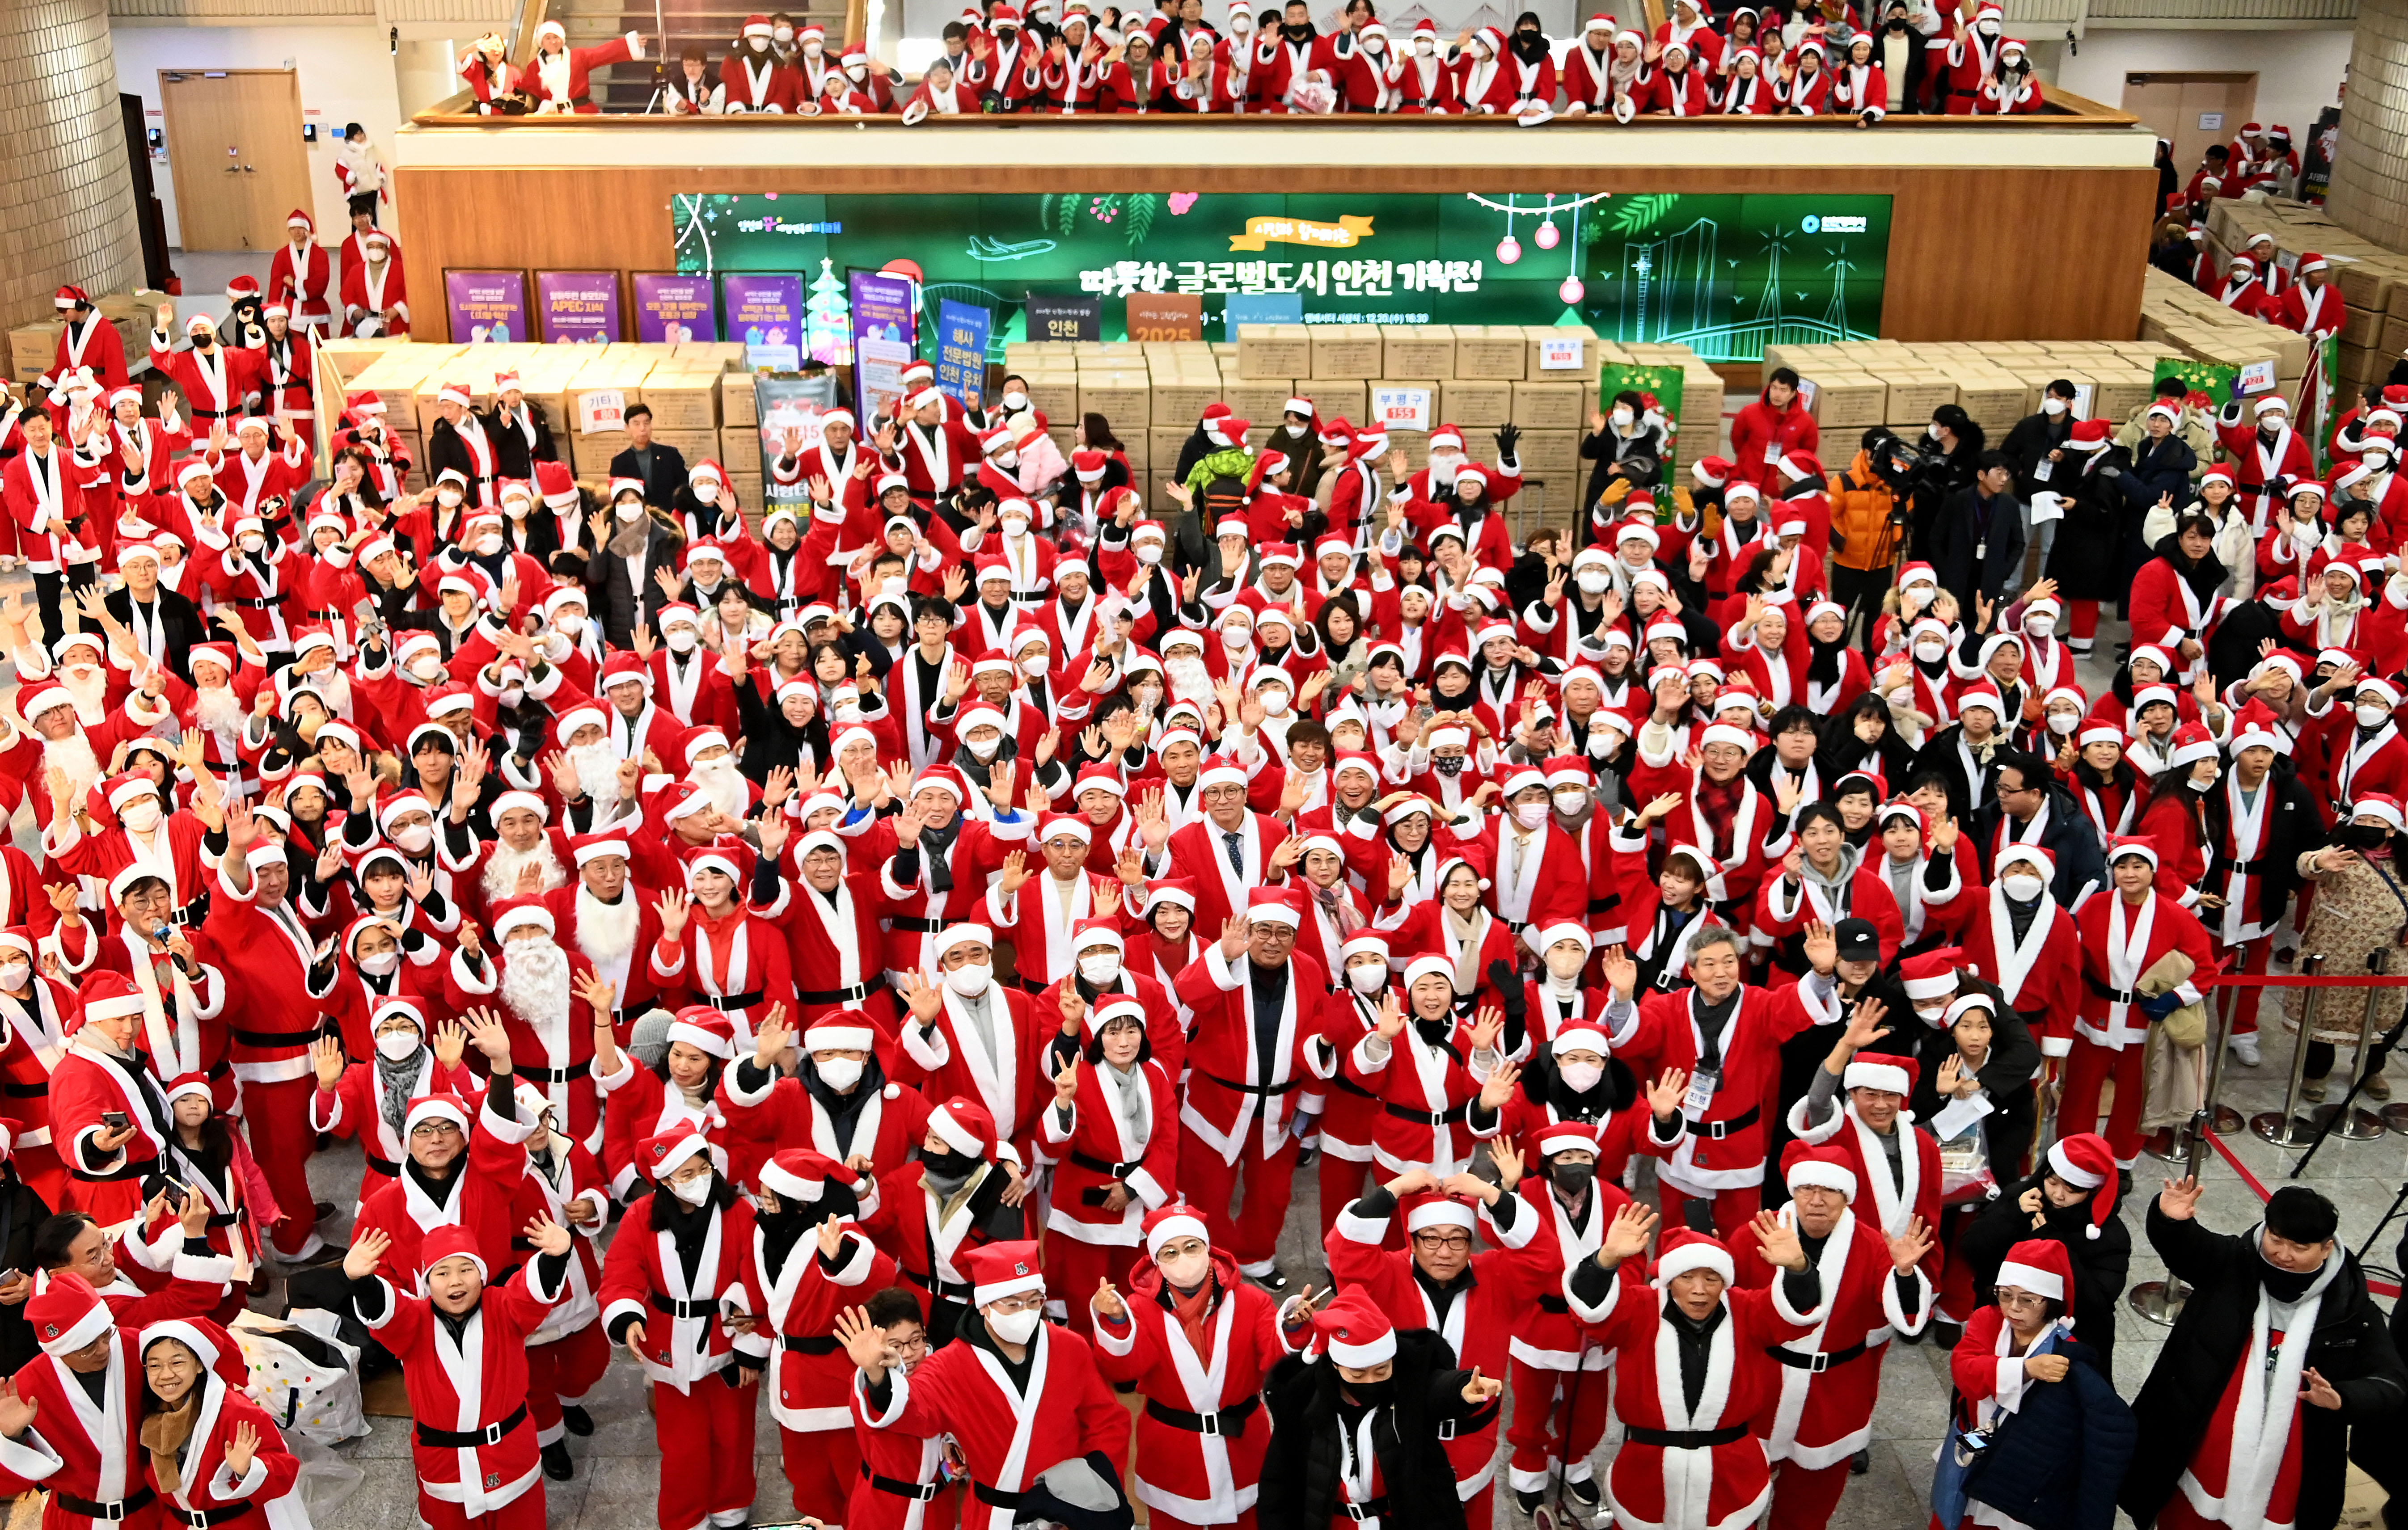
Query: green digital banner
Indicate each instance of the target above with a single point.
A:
(1724, 274)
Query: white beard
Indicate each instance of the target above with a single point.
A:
(501, 878)
(90, 688)
(597, 771)
(1189, 679)
(725, 785)
(535, 983)
(607, 931)
(74, 755)
(219, 710)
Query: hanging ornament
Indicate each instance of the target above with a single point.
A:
(1509, 249)
(1571, 290)
(1547, 237)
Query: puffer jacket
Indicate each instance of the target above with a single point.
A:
(1862, 504)
(1300, 1470)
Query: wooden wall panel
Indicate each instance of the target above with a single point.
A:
(1975, 255)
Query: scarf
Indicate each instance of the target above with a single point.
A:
(1471, 933)
(165, 1434)
(397, 1084)
(1529, 47)
(1823, 667)
(1192, 1311)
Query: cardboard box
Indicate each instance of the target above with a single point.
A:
(693, 445)
(1913, 397)
(1125, 399)
(737, 403)
(1847, 401)
(1476, 405)
(1416, 350)
(1994, 402)
(1261, 398)
(1551, 341)
(1160, 444)
(1183, 399)
(683, 401)
(1274, 350)
(2395, 334)
(1345, 351)
(1331, 400)
(32, 347)
(739, 448)
(1490, 352)
(2116, 395)
(1547, 407)
(1054, 395)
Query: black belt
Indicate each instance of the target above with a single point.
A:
(1549, 1302)
(1376, 1508)
(140, 1498)
(215, 414)
(896, 1485)
(2113, 995)
(556, 1075)
(202, 1518)
(224, 1219)
(676, 1309)
(26, 1092)
(385, 1166)
(834, 996)
(1029, 985)
(1109, 1171)
(1265, 1090)
(1717, 1130)
(1817, 1362)
(818, 1343)
(999, 1497)
(1685, 1440)
(1451, 1116)
(1229, 1421)
(958, 1290)
(1351, 1087)
(2246, 868)
(725, 1002)
(274, 1038)
(2253, 489)
(253, 605)
(323, 616)
(920, 926)
(461, 1440)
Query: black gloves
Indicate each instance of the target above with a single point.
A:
(1506, 436)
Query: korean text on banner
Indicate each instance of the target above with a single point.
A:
(962, 332)
(671, 308)
(486, 307)
(885, 336)
(765, 312)
(580, 308)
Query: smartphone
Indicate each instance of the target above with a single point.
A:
(116, 1120)
(173, 1188)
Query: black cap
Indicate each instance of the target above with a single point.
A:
(1858, 940)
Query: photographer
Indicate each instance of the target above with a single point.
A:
(1977, 537)
(1867, 521)
(1949, 451)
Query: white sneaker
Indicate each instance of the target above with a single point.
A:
(2245, 1048)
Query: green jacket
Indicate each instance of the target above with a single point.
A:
(1227, 463)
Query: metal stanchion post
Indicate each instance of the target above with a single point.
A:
(2161, 1301)
(2288, 1129)
(2351, 1123)
(2213, 1112)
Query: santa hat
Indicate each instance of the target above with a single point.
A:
(1354, 1333)
(2033, 855)
(2041, 1266)
(1683, 1251)
(2379, 805)
(426, 1108)
(705, 1029)
(1930, 975)
(521, 913)
(1433, 1208)
(1271, 905)
(1176, 1220)
(799, 1175)
(2132, 844)
(964, 1126)
(441, 1243)
(662, 1155)
(2086, 1162)
(66, 1314)
(1880, 1070)
(1564, 1137)
(757, 26)
(1826, 1166)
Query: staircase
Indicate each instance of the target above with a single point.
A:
(712, 25)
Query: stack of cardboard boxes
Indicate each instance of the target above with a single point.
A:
(2373, 280)
(1860, 384)
(2180, 316)
(32, 347)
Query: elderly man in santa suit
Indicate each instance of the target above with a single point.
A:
(829, 915)
(931, 446)
(2126, 934)
(217, 382)
(103, 1073)
(943, 859)
(1258, 1004)
(1226, 851)
(1821, 1410)
(1024, 1398)
(183, 985)
(533, 982)
(639, 726)
(1694, 1354)
(56, 738)
(463, 1346)
(299, 272)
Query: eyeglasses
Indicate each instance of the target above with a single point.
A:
(1435, 1241)
(1028, 1301)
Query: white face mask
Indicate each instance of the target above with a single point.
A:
(15, 975)
(1015, 401)
(695, 1190)
(569, 623)
(1531, 815)
(2373, 717)
(629, 510)
(971, 979)
(758, 45)
(840, 1073)
(1015, 526)
(140, 817)
(426, 671)
(487, 545)
(447, 497)
(516, 509)
(1580, 1078)
(1188, 1272)
(783, 34)
(2064, 722)
(707, 491)
(1274, 702)
(1015, 1327)
(413, 838)
(1374, 46)
(1369, 978)
(381, 963)
(1149, 553)
(813, 48)
(1930, 652)
(1622, 419)
(855, 71)
(983, 749)
(1234, 637)
(1592, 582)
(1034, 667)
(682, 640)
(2051, 405)
(1099, 969)
(1987, 29)
(397, 1046)
(1571, 800)
(1424, 47)
(2040, 626)
(2022, 886)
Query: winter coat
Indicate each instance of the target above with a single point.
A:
(2056, 1463)
(1862, 502)
(1300, 1470)
(1970, 561)
(2100, 1264)
(2351, 1349)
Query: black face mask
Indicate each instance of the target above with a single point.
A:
(1297, 31)
(1571, 1179)
(1897, 23)
(1373, 1394)
(1447, 764)
(2361, 836)
(949, 1164)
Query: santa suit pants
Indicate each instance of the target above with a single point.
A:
(821, 1465)
(276, 1116)
(2255, 954)
(1803, 1497)
(708, 1432)
(523, 1512)
(1251, 1237)
(1245, 1520)
(77, 576)
(2087, 1070)
(562, 1373)
(1558, 1417)
(1732, 1209)
(1341, 1181)
(2083, 624)
(1074, 1267)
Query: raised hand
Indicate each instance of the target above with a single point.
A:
(1014, 875)
(488, 1035)
(548, 1236)
(240, 1449)
(769, 1038)
(1107, 1303)
(1821, 946)
(1907, 1249)
(327, 1061)
(673, 906)
(17, 1410)
(1499, 1087)
(595, 993)
(1486, 1024)
(1777, 1245)
(1479, 1389)
(1392, 1016)
(1664, 1096)
(2180, 1199)
(925, 1000)
(1621, 973)
(1626, 1235)
(452, 1042)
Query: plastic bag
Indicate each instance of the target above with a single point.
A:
(326, 1481)
(308, 1381)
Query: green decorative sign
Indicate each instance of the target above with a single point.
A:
(1724, 274)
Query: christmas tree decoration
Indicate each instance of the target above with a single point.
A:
(1546, 236)
(1509, 249)
(829, 318)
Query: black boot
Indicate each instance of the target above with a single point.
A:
(1528, 1502)
(557, 1463)
(1946, 1334)
(574, 1418)
(1860, 1463)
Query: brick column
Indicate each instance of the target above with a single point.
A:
(2370, 193)
(66, 200)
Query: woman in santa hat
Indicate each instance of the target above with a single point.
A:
(2071, 1198)
(1804, 88)
(466, 1348)
(1859, 85)
(1678, 88)
(557, 77)
(1747, 93)
(211, 1453)
(1196, 1340)
(2124, 937)
(2063, 1457)
(681, 1291)
(2012, 90)
(1109, 1131)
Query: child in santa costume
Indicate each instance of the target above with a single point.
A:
(1694, 1356)
(1873, 1286)
(681, 1291)
(1023, 1398)
(228, 1465)
(463, 1347)
(2125, 934)
(2243, 1417)
(1111, 1133)
(1196, 1340)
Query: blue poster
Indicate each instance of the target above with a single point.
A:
(1262, 308)
(961, 350)
(885, 336)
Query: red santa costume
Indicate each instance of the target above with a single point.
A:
(214, 384)
(94, 1078)
(298, 274)
(478, 1195)
(1422, 1079)
(358, 1104)
(92, 341)
(2265, 467)
(1688, 1466)
(279, 1004)
(1892, 1201)
(567, 1355)
(1830, 1378)
(2040, 973)
(649, 1102)
(559, 80)
(751, 78)
(374, 289)
(468, 1379)
(263, 1498)
(2317, 312)
(985, 1042)
(678, 1272)
(85, 1456)
(551, 1046)
(1118, 1132)
(2122, 938)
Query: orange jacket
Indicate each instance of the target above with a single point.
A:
(1861, 534)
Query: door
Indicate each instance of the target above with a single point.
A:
(2191, 111)
(233, 142)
